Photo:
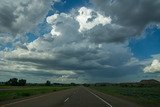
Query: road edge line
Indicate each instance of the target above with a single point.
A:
(100, 98)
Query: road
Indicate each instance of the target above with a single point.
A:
(75, 97)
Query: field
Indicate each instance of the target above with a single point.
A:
(14, 92)
(141, 95)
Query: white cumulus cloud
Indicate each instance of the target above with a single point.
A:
(89, 18)
(154, 67)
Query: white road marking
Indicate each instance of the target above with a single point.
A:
(66, 99)
(101, 99)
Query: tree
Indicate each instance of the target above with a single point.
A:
(48, 83)
(22, 82)
(13, 81)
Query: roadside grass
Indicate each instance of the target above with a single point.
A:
(20, 92)
(141, 95)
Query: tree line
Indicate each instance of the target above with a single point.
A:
(16, 82)
(23, 82)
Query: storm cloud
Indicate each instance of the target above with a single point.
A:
(86, 44)
(19, 16)
(129, 18)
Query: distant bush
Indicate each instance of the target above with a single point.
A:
(22, 82)
(86, 85)
(48, 83)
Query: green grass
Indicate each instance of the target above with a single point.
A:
(141, 95)
(20, 92)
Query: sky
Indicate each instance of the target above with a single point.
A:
(81, 41)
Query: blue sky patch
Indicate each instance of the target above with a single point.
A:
(145, 47)
(66, 5)
(31, 37)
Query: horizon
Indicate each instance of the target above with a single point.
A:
(82, 41)
(105, 82)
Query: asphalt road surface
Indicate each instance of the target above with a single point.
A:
(76, 97)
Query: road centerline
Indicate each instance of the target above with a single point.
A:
(66, 99)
